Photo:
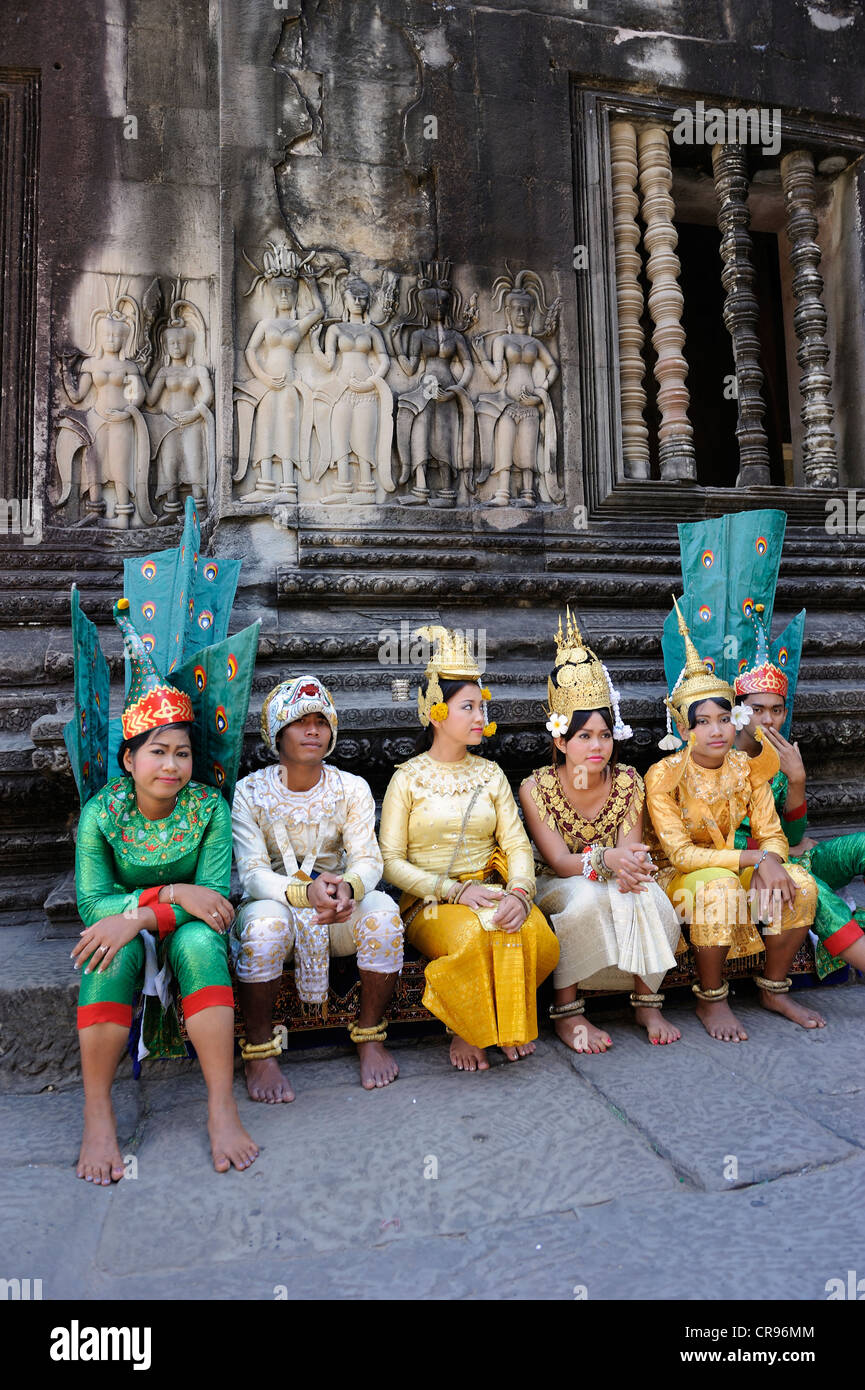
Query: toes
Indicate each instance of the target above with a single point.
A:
(221, 1163)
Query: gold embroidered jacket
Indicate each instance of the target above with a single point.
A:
(422, 816)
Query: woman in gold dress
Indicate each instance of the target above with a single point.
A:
(452, 840)
(698, 798)
(616, 927)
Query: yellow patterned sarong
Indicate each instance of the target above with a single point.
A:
(715, 904)
(481, 984)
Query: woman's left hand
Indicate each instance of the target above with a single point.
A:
(100, 943)
(510, 913)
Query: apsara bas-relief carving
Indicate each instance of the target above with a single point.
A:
(355, 399)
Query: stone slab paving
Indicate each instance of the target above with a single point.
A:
(553, 1175)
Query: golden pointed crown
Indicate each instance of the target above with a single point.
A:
(452, 659)
(696, 681)
(581, 682)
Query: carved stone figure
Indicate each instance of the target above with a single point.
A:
(353, 415)
(179, 417)
(109, 432)
(435, 420)
(517, 423)
(274, 407)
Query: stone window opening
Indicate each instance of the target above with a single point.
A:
(735, 303)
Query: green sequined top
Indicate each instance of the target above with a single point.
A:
(120, 853)
(793, 830)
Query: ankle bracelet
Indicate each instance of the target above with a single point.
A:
(646, 1001)
(576, 1006)
(773, 986)
(712, 996)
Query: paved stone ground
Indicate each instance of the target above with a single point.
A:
(557, 1172)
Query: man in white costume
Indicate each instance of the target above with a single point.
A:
(309, 861)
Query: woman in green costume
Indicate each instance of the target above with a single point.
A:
(152, 871)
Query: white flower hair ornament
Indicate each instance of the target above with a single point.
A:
(557, 725)
(740, 717)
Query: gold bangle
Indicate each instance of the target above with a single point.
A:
(576, 1006)
(712, 996)
(378, 1033)
(646, 1001)
(254, 1052)
(297, 894)
(772, 986)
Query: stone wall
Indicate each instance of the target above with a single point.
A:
(184, 164)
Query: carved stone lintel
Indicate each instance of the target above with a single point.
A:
(676, 435)
(741, 311)
(629, 299)
(809, 320)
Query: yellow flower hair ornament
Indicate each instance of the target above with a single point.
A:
(489, 729)
(486, 694)
(439, 712)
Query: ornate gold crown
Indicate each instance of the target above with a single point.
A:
(696, 681)
(581, 682)
(452, 660)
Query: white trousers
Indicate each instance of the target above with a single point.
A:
(267, 933)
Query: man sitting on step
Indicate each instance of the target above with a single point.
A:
(309, 861)
(833, 863)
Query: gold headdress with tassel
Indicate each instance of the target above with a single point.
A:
(696, 682)
(452, 659)
(582, 680)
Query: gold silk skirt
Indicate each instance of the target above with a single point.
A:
(715, 904)
(481, 984)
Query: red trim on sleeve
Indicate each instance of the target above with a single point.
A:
(843, 937)
(104, 1012)
(165, 919)
(208, 998)
(797, 813)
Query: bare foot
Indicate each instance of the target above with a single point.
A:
(720, 1022)
(797, 1013)
(521, 1050)
(264, 1081)
(580, 1035)
(100, 1160)
(659, 1030)
(229, 1141)
(377, 1067)
(466, 1057)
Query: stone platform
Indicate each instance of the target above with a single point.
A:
(696, 1171)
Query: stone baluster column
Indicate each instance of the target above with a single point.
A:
(741, 311)
(676, 436)
(629, 298)
(809, 320)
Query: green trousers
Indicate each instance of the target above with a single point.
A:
(833, 864)
(198, 956)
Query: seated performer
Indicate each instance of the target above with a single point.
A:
(697, 800)
(616, 927)
(451, 837)
(154, 855)
(833, 862)
(304, 841)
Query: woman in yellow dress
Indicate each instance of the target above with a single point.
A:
(616, 927)
(452, 840)
(697, 800)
